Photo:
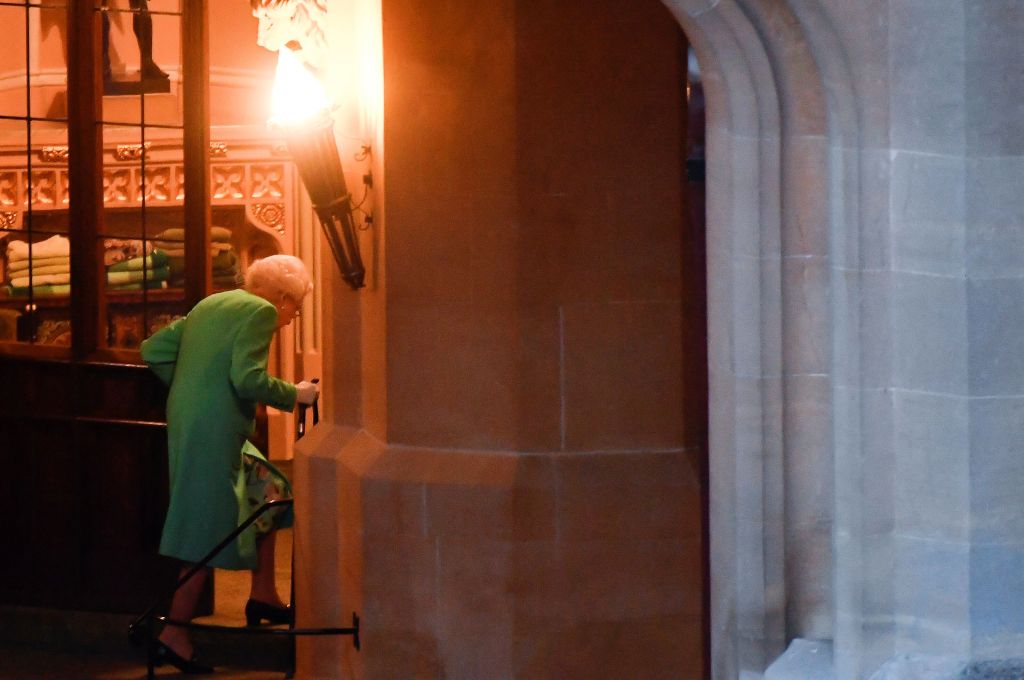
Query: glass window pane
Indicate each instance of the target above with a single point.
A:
(35, 274)
(142, 240)
(13, 56)
(227, 239)
(49, 73)
(143, 243)
(142, 65)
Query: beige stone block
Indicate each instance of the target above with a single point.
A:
(399, 653)
(640, 496)
(539, 398)
(474, 609)
(467, 510)
(400, 583)
(452, 377)
(536, 581)
(393, 508)
(623, 367)
(632, 579)
(534, 504)
(652, 648)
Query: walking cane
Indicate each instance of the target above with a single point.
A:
(302, 413)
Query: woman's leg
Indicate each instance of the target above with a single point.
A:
(264, 584)
(183, 607)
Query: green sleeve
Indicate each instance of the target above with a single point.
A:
(249, 363)
(160, 350)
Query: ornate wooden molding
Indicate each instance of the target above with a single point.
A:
(54, 154)
(132, 152)
(8, 219)
(271, 215)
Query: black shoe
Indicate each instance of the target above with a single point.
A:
(151, 71)
(256, 612)
(165, 654)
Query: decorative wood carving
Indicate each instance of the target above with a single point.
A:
(271, 215)
(9, 219)
(44, 188)
(54, 154)
(228, 181)
(64, 182)
(117, 185)
(9, 188)
(268, 181)
(132, 152)
(159, 185)
(179, 182)
(218, 149)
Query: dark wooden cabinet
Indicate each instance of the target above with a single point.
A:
(84, 466)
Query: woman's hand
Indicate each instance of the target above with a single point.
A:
(306, 392)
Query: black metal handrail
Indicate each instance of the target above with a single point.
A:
(151, 616)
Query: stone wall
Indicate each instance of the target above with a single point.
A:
(510, 483)
(882, 138)
(864, 215)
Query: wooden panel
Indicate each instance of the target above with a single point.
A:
(54, 516)
(123, 523)
(120, 392)
(16, 463)
(86, 451)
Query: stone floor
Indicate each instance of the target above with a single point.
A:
(22, 663)
(235, 657)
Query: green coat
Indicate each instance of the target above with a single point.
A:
(215, 361)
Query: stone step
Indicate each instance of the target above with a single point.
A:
(73, 632)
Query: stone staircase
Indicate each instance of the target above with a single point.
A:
(56, 634)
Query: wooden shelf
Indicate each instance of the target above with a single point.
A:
(132, 297)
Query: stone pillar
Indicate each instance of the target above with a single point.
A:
(526, 502)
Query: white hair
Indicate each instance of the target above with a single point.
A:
(278, 276)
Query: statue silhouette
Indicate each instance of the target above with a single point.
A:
(142, 26)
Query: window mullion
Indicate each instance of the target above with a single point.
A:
(195, 85)
(85, 175)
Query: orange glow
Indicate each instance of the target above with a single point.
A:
(297, 96)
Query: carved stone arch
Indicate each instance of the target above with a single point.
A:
(782, 230)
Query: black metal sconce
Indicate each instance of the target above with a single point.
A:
(300, 112)
(315, 154)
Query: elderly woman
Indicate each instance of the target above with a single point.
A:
(215, 361)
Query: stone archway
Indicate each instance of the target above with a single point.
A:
(446, 469)
(864, 240)
(783, 172)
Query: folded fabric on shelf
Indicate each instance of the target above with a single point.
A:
(178, 234)
(35, 263)
(55, 245)
(58, 289)
(118, 250)
(176, 249)
(45, 279)
(226, 281)
(155, 260)
(118, 278)
(176, 264)
(224, 260)
(63, 267)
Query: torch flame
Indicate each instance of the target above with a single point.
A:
(298, 96)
